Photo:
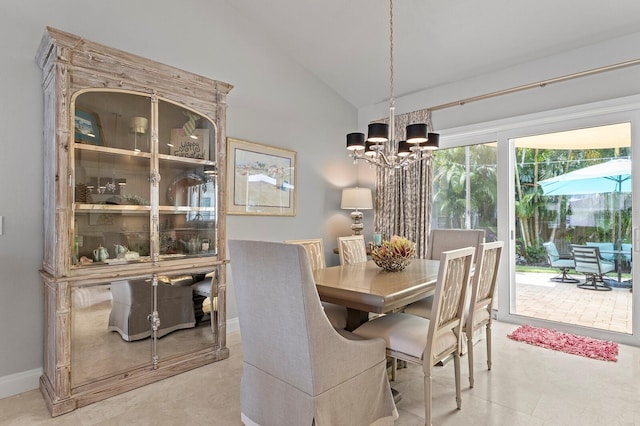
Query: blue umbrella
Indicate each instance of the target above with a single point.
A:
(612, 176)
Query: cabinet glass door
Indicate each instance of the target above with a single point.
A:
(111, 171)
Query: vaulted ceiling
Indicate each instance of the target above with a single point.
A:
(345, 43)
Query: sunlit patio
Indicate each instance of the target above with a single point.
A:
(537, 296)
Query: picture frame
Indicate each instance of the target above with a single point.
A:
(261, 179)
(87, 127)
(183, 145)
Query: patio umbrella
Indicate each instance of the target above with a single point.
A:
(612, 176)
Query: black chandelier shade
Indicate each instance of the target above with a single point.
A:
(430, 141)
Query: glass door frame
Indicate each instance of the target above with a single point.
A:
(503, 131)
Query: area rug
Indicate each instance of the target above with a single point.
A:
(564, 342)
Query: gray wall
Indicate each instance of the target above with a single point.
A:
(274, 102)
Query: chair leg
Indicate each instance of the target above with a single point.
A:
(470, 355)
(488, 334)
(394, 368)
(427, 398)
(456, 365)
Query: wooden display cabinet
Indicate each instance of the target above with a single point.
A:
(134, 217)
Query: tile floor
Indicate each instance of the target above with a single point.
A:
(528, 385)
(538, 297)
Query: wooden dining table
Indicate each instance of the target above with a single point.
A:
(365, 287)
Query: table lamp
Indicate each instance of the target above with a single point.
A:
(356, 199)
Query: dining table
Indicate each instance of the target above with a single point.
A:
(365, 287)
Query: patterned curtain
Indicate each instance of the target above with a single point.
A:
(403, 197)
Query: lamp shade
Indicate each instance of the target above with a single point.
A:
(416, 133)
(378, 133)
(355, 141)
(433, 142)
(356, 199)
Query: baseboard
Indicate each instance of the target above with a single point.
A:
(25, 381)
(233, 325)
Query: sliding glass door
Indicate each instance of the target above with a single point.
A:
(465, 191)
(573, 189)
(541, 217)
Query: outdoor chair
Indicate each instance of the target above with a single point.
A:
(564, 263)
(296, 368)
(589, 262)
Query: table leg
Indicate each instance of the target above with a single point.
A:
(355, 318)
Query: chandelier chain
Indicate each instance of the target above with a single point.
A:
(391, 97)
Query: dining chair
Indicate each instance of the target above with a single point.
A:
(482, 291)
(427, 342)
(297, 368)
(352, 249)
(589, 262)
(315, 251)
(441, 240)
(564, 264)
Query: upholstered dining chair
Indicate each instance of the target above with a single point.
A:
(427, 342)
(589, 262)
(482, 292)
(441, 240)
(297, 368)
(352, 249)
(557, 261)
(315, 251)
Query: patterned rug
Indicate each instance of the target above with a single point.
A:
(564, 342)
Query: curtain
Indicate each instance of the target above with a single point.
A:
(403, 196)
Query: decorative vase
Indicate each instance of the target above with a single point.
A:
(394, 255)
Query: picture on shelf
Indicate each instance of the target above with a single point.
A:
(261, 179)
(195, 145)
(87, 128)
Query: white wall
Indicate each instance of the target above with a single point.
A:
(274, 102)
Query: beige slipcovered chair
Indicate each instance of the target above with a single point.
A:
(441, 240)
(132, 304)
(427, 342)
(297, 368)
(315, 251)
(352, 249)
(482, 292)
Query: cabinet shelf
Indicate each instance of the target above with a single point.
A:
(111, 208)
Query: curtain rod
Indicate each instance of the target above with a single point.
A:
(542, 83)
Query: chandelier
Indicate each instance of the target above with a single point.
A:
(381, 148)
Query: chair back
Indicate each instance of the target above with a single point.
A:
(352, 249)
(484, 283)
(449, 299)
(552, 252)
(587, 259)
(441, 240)
(315, 251)
(606, 249)
(279, 311)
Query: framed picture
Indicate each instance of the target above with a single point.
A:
(261, 179)
(195, 145)
(87, 128)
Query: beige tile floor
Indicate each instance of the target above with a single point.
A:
(538, 297)
(528, 385)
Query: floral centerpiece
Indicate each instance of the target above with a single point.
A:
(395, 254)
